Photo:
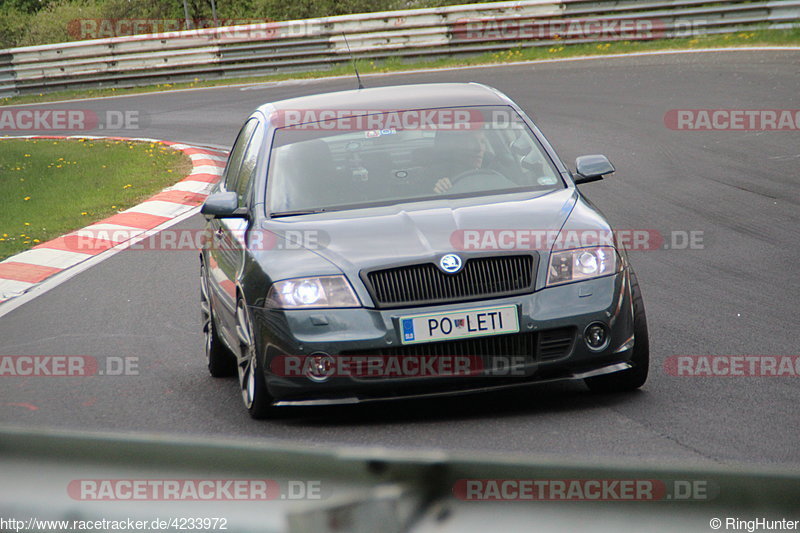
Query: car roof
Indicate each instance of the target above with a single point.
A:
(395, 97)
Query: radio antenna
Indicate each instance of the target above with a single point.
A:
(353, 59)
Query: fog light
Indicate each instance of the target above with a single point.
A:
(596, 337)
(319, 367)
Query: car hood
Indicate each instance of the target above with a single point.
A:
(369, 238)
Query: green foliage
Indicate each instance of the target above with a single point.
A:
(141, 9)
(26, 6)
(31, 22)
(13, 22)
(55, 22)
(300, 9)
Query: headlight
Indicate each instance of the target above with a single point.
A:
(301, 293)
(581, 264)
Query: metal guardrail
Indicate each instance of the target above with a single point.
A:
(366, 489)
(318, 44)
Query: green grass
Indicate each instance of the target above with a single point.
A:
(51, 187)
(749, 38)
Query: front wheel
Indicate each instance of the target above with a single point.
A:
(256, 399)
(635, 377)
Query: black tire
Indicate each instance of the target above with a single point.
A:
(256, 398)
(221, 362)
(635, 377)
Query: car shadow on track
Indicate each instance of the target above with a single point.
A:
(535, 400)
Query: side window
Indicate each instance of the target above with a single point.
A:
(248, 167)
(237, 152)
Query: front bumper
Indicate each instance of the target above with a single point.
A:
(337, 332)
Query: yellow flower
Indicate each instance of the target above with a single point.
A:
(113, 207)
(84, 213)
(27, 155)
(36, 240)
(27, 198)
(27, 223)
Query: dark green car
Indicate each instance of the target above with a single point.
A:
(409, 241)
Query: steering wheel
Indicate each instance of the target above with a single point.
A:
(485, 175)
(488, 172)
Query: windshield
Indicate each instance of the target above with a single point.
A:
(395, 157)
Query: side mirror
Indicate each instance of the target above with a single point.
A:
(223, 205)
(592, 168)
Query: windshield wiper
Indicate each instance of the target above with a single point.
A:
(297, 212)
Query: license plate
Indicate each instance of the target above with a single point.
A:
(450, 325)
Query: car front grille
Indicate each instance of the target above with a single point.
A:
(481, 277)
(540, 346)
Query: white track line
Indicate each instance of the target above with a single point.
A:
(57, 279)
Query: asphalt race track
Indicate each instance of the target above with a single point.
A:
(737, 295)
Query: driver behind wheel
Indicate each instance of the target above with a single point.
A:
(459, 152)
